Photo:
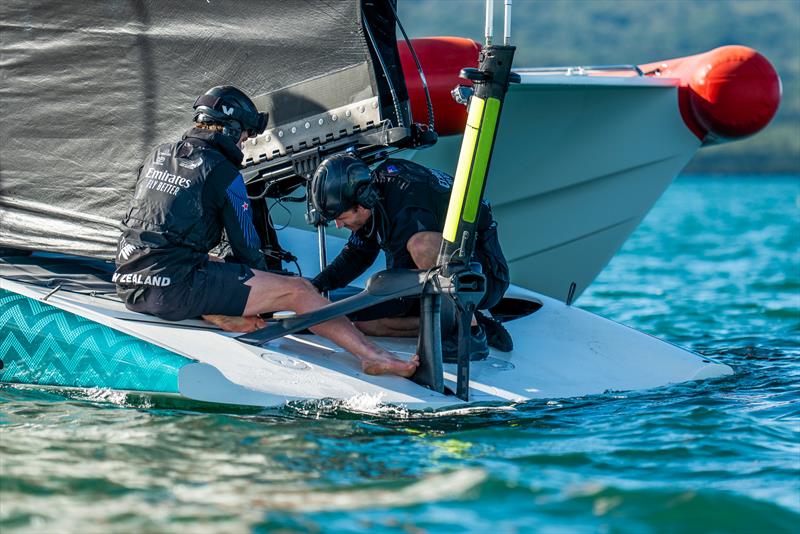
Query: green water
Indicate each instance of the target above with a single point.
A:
(714, 267)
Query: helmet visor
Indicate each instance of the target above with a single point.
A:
(260, 124)
(253, 123)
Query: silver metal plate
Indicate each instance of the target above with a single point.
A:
(285, 361)
(312, 131)
(500, 365)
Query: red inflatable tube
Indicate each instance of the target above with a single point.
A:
(727, 93)
(442, 58)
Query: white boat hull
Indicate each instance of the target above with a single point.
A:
(560, 351)
(578, 163)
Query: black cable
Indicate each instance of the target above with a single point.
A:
(283, 256)
(419, 66)
(278, 202)
(395, 100)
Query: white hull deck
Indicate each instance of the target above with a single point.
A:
(560, 351)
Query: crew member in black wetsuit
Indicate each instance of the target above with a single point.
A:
(400, 208)
(186, 195)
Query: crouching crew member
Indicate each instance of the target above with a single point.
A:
(400, 207)
(187, 193)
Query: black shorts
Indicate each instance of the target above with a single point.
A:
(497, 281)
(495, 266)
(215, 288)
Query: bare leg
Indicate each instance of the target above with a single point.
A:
(390, 327)
(236, 324)
(270, 292)
(424, 249)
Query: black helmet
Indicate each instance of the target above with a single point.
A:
(230, 107)
(341, 182)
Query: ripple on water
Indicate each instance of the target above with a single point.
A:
(713, 267)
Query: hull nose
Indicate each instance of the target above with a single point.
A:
(726, 94)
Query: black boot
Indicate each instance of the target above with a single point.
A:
(477, 346)
(496, 334)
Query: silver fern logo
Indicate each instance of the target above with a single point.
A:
(126, 251)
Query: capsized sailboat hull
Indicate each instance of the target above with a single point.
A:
(88, 340)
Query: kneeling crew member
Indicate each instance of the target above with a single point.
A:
(186, 195)
(400, 208)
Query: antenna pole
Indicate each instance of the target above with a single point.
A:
(489, 21)
(490, 83)
(507, 23)
(323, 251)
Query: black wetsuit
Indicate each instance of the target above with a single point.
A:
(414, 199)
(186, 195)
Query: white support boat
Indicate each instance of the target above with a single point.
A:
(562, 218)
(583, 153)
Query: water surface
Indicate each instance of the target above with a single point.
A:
(714, 267)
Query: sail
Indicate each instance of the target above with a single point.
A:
(89, 88)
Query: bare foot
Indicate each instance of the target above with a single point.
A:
(388, 364)
(236, 324)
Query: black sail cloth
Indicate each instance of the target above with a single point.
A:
(88, 89)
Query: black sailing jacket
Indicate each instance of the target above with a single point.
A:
(414, 199)
(187, 193)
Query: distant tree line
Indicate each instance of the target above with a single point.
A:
(591, 32)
